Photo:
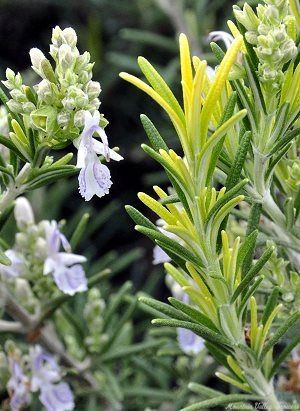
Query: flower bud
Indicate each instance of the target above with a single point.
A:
(53, 51)
(82, 61)
(263, 29)
(18, 96)
(279, 34)
(79, 118)
(69, 103)
(40, 249)
(93, 89)
(69, 36)
(23, 292)
(44, 91)
(14, 106)
(56, 36)
(95, 103)
(246, 17)
(81, 100)
(3, 123)
(36, 57)
(66, 57)
(272, 14)
(84, 77)
(63, 118)
(251, 37)
(28, 107)
(23, 213)
(21, 240)
(289, 51)
(10, 75)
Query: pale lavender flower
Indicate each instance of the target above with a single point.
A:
(57, 397)
(159, 255)
(219, 35)
(17, 386)
(46, 376)
(211, 73)
(67, 273)
(94, 177)
(189, 342)
(45, 369)
(17, 266)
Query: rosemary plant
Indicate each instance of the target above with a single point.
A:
(238, 161)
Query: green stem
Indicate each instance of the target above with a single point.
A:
(263, 388)
(273, 210)
(259, 172)
(258, 382)
(15, 189)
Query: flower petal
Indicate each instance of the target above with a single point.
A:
(189, 342)
(17, 386)
(57, 397)
(94, 179)
(44, 367)
(17, 266)
(71, 280)
(70, 258)
(219, 35)
(160, 256)
(98, 147)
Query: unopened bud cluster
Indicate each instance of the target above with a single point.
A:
(278, 272)
(293, 180)
(93, 314)
(272, 32)
(56, 105)
(28, 255)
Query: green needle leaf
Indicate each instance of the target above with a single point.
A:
(230, 194)
(198, 329)
(170, 244)
(238, 163)
(221, 400)
(166, 309)
(252, 273)
(139, 218)
(288, 323)
(155, 138)
(193, 314)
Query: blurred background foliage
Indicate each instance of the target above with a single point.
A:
(115, 32)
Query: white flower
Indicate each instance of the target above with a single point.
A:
(68, 275)
(94, 177)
